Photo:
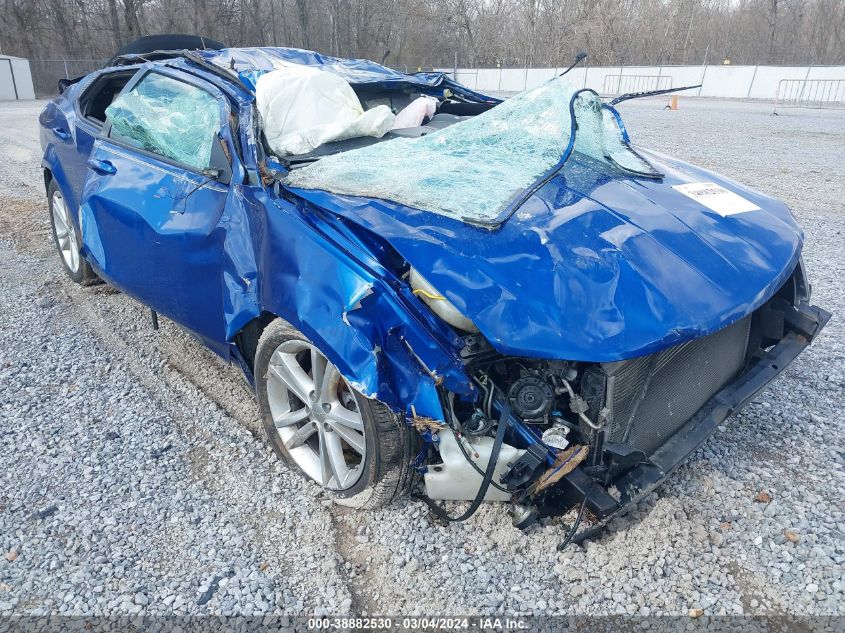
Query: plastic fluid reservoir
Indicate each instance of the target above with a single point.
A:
(456, 480)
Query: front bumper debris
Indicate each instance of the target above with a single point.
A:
(640, 475)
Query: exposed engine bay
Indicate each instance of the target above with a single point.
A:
(575, 431)
(551, 429)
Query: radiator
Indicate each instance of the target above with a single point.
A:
(651, 397)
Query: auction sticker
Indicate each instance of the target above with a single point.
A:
(716, 198)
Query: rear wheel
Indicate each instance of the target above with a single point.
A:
(318, 423)
(67, 238)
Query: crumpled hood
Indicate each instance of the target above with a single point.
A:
(596, 266)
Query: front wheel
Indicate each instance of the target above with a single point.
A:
(318, 423)
(66, 238)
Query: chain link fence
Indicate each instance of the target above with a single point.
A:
(47, 72)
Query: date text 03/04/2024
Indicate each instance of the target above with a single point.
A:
(415, 623)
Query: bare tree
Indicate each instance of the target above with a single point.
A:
(426, 33)
(302, 7)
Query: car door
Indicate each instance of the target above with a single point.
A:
(83, 123)
(154, 194)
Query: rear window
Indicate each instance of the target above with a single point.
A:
(100, 95)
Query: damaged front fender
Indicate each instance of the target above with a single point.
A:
(314, 272)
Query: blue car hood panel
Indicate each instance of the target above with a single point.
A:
(596, 266)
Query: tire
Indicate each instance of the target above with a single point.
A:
(67, 238)
(374, 479)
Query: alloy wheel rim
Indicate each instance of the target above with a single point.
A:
(65, 235)
(315, 415)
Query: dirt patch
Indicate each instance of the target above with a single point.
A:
(198, 462)
(25, 224)
(233, 396)
(364, 579)
(757, 594)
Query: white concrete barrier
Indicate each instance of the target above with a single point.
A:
(723, 81)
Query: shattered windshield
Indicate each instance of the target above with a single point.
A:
(473, 170)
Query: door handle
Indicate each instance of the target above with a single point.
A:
(101, 166)
(61, 133)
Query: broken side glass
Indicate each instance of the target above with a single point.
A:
(167, 117)
(473, 170)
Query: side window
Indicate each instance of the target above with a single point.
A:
(100, 94)
(167, 117)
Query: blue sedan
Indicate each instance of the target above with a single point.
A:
(430, 289)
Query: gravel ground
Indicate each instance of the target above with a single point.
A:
(135, 479)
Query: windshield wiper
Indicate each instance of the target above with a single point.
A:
(579, 57)
(650, 93)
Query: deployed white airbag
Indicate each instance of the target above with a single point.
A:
(303, 107)
(415, 113)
